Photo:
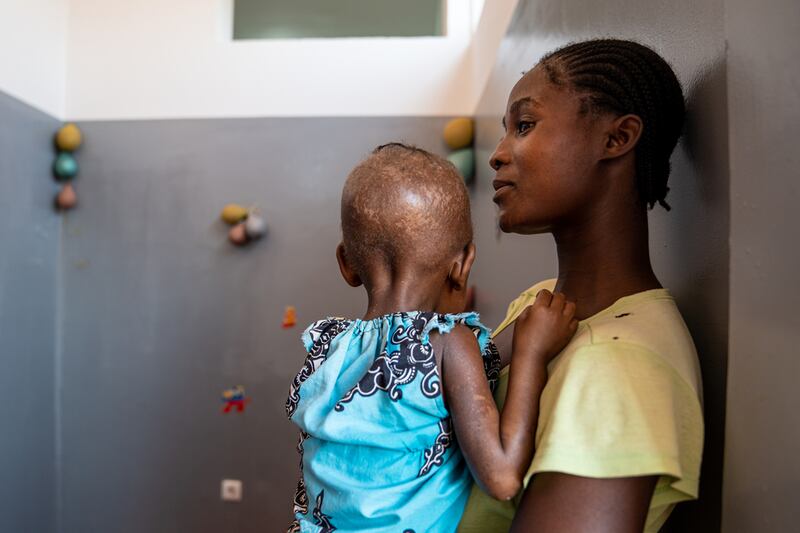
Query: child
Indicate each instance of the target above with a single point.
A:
(380, 401)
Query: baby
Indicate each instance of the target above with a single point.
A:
(395, 409)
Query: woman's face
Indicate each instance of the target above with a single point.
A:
(547, 159)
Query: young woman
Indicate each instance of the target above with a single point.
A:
(589, 134)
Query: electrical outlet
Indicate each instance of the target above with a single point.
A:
(231, 490)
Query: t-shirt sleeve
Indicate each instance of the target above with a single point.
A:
(616, 409)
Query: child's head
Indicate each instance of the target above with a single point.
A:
(404, 210)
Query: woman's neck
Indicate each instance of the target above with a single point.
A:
(604, 258)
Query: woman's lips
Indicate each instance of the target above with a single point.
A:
(500, 187)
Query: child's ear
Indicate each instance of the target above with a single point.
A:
(350, 276)
(459, 271)
(622, 136)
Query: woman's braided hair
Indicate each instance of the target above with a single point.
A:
(625, 77)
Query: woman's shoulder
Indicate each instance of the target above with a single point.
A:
(646, 324)
(624, 399)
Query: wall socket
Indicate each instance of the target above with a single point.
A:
(231, 490)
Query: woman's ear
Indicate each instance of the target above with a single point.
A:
(459, 271)
(348, 273)
(622, 136)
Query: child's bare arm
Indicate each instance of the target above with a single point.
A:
(499, 447)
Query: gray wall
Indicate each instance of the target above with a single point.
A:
(29, 236)
(762, 471)
(690, 243)
(164, 314)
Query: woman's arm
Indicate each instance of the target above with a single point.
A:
(562, 503)
(499, 447)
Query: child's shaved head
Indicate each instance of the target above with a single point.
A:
(405, 208)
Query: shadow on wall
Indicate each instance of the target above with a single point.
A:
(700, 249)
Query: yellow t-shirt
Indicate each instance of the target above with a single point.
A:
(622, 399)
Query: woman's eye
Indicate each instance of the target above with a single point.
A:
(524, 125)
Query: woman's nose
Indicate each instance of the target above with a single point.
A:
(500, 156)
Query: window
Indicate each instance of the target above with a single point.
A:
(294, 19)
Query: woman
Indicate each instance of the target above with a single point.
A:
(589, 134)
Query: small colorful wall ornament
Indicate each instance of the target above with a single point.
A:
(234, 398)
(65, 167)
(459, 135)
(67, 199)
(255, 227)
(464, 161)
(69, 138)
(233, 213)
(289, 317)
(237, 234)
(247, 224)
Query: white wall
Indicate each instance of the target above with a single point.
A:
(176, 59)
(490, 30)
(33, 36)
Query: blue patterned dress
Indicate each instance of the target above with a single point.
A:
(376, 444)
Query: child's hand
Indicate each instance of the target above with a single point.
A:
(544, 328)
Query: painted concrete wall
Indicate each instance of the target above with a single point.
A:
(762, 471)
(29, 233)
(33, 39)
(155, 59)
(164, 314)
(690, 243)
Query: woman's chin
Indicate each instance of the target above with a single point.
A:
(509, 225)
(504, 223)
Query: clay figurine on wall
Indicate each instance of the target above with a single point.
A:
(459, 135)
(65, 167)
(66, 199)
(289, 317)
(247, 224)
(234, 398)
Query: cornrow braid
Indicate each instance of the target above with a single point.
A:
(625, 77)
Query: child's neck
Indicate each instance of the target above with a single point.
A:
(392, 294)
